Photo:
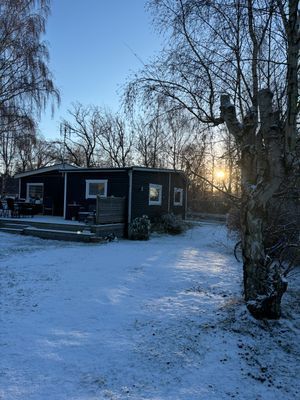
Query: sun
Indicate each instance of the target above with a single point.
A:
(220, 174)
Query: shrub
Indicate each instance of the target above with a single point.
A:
(139, 228)
(170, 223)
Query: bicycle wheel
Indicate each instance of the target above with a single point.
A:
(238, 252)
(289, 257)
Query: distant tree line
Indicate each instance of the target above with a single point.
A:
(92, 136)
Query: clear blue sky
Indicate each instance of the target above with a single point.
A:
(90, 58)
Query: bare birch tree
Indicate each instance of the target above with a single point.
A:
(93, 136)
(231, 158)
(25, 80)
(33, 151)
(115, 140)
(80, 134)
(179, 133)
(12, 127)
(151, 141)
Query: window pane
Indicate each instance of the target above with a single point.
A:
(154, 194)
(35, 192)
(178, 196)
(96, 188)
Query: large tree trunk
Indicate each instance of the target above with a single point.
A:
(261, 140)
(263, 283)
(268, 153)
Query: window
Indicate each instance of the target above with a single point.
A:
(35, 192)
(95, 187)
(155, 194)
(178, 197)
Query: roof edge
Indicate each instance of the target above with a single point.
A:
(169, 170)
(55, 167)
(71, 168)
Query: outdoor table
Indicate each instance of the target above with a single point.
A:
(74, 210)
(25, 208)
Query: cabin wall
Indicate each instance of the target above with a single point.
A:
(140, 193)
(117, 186)
(178, 181)
(53, 188)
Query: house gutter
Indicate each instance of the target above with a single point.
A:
(169, 196)
(186, 199)
(129, 195)
(65, 194)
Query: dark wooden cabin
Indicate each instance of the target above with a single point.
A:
(68, 189)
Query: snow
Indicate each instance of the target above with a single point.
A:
(162, 319)
(45, 218)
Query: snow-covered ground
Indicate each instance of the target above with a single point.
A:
(162, 319)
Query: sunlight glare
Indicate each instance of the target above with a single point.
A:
(220, 174)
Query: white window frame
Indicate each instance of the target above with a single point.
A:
(33, 184)
(159, 188)
(87, 188)
(178, 190)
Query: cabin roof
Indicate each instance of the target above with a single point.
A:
(118, 169)
(74, 169)
(56, 167)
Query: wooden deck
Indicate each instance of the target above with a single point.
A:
(56, 228)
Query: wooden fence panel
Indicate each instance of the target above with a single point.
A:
(110, 210)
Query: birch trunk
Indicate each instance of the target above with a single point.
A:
(261, 143)
(268, 149)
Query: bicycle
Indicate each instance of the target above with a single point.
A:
(237, 251)
(287, 254)
(289, 258)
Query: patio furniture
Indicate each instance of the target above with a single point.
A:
(48, 206)
(25, 209)
(12, 207)
(74, 209)
(4, 212)
(83, 215)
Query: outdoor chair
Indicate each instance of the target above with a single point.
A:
(4, 212)
(12, 208)
(26, 210)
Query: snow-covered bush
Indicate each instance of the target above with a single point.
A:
(139, 228)
(170, 223)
